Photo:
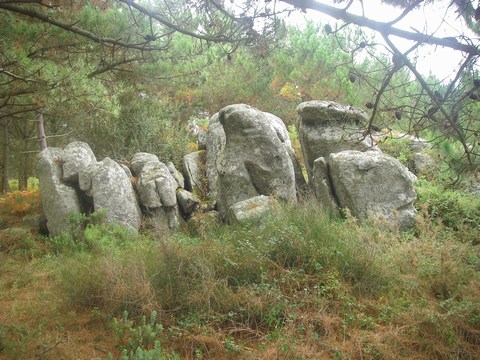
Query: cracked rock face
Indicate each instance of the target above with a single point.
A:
(254, 160)
(59, 200)
(373, 184)
(113, 191)
(326, 127)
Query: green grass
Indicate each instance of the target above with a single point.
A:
(302, 286)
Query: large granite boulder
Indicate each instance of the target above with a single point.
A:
(139, 160)
(326, 127)
(194, 172)
(177, 175)
(59, 200)
(77, 157)
(156, 187)
(215, 142)
(255, 209)
(254, 160)
(112, 190)
(372, 184)
(157, 192)
(322, 186)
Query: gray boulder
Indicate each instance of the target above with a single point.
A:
(59, 200)
(254, 209)
(77, 156)
(177, 175)
(280, 129)
(156, 187)
(157, 191)
(215, 142)
(322, 186)
(372, 184)
(187, 201)
(194, 171)
(139, 160)
(254, 160)
(113, 191)
(326, 127)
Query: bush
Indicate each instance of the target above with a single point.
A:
(457, 210)
(17, 204)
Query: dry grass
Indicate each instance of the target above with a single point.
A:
(303, 287)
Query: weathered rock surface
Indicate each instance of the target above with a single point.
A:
(254, 209)
(177, 175)
(58, 199)
(322, 185)
(77, 157)
(156, 187)
(215, 142)
(194, 172)
(113, 191)
(326, 127)
(187, 201)
(254, 161)
(139, 160)
(373, 184)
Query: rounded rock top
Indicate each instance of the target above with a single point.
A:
(318, 111)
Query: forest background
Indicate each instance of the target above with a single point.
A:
(129, 76)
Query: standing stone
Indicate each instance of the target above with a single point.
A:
(77, 156)
(177, 175)
(254, 160)
(194, 171)
(326, 127)
(113, 191)
(59, 201)
(188, 202)
(374, 184)
(156, 187)
(322, 187)
(215, 142)
(139, 160)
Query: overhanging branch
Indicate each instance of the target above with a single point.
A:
(386, 29)
(74, 29)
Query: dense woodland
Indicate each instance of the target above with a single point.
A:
(129, 76)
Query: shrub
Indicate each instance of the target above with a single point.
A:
(457, 210)
(17, 204)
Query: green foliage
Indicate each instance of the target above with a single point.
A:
(156, 353)
(140, 341)
(458, 211)
(400, 148)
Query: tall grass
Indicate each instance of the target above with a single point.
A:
(365, 290)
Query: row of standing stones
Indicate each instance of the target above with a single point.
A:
(245, 165)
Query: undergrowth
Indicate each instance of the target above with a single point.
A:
(302, 286)
(302, 277)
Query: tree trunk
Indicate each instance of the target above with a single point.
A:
(6, 144)
(23, 160)
(42, 139)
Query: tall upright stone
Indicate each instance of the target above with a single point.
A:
(59, 200)
(254, 160)
(113, 191)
